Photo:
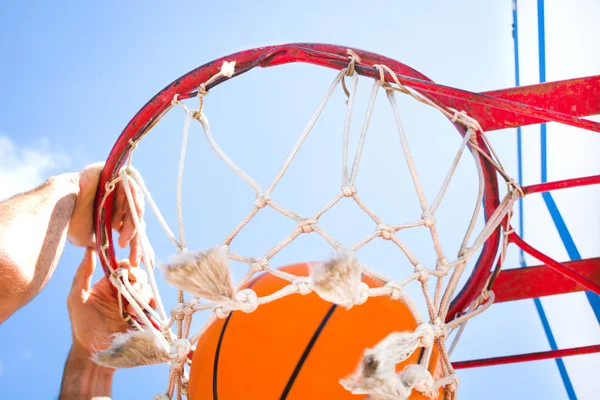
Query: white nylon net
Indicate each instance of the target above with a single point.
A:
(207, 275)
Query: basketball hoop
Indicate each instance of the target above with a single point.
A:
(206, 274)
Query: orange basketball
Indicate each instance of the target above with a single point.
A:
(295, 348)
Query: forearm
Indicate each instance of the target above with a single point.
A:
(83, 379)
(33, 231)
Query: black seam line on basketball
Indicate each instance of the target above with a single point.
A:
(220, 342)
(421, 354)
(217, 354)
(307, 350)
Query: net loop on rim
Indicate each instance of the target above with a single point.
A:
(354, 292)
(350, 71)
(354, 59)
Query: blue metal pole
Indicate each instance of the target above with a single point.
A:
(538, 304)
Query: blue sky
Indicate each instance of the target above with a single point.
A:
(73, 74)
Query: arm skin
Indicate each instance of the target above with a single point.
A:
(84, 379)
(33, 232)
(35, 225)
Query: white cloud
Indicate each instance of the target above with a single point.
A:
(24, 168)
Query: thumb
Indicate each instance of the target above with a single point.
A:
(83, 276)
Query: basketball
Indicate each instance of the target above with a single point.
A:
(298, 347)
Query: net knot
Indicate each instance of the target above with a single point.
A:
(133, 145)
(457, 114)
(161, 396)
(516, 186)
(184, 385)
(464, 255)
(259, 264)
(188, 308)
(363, 294)
(440, 330)
(348, 190)
(110, 186)
(247, 300)
(466, 120)
(178, 312)
(453, 386)
(485, 294)
(302, 285)
(180, 349)
(428, 219)
(423, 273)
(262, 200)
(395, 290)
(473, 138)
(222, 312)
(198, 115)
(385, 231)
(426, 334)
(165, 326)
(442, 266)
(306, 224)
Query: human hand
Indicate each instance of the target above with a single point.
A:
(95, 318)
(81, 224)
(94, 311)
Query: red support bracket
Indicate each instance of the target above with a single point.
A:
(518, 358)
(542, 280)
(564, 184)
(555, 265)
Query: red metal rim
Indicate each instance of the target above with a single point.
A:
(493, 110)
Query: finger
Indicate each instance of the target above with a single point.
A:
(131, 310)
(146, 295)
(135, 250)
(152, 257)
(138, 198)
(124, 263)
(83, 277)
(118, 226)
(138, 275)
(149, 252)
(119, 208)
(128, 231)
(144, 292)
(149, 296)
(149, 263)
(134, 273)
